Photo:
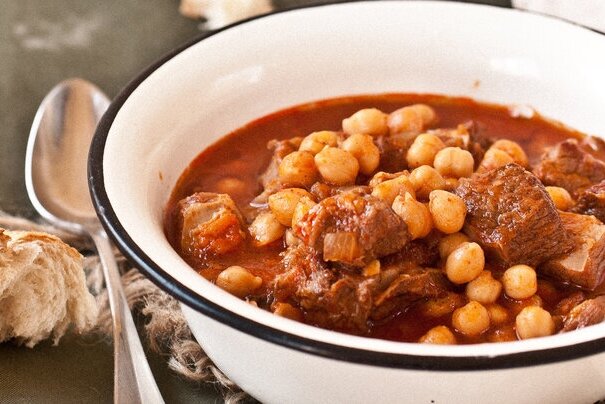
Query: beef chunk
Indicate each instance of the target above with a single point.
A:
(409, 287)
(393, 149)
(589, 312)
(566, 165)
(299, 263)
(269, 179)
(352, 228)
(466, 136)
(565, 305)
(210, 224)
(420, 252)
(345, 305)
(592, 201)
(335, 297)
(510, 214)
(329, 299)
(594, 145)
(585, 264)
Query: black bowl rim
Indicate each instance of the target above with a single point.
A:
(285, 339)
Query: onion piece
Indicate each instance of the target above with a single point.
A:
(341, 246)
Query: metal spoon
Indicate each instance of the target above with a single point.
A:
(56, 181)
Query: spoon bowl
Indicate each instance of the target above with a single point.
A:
(56, 156)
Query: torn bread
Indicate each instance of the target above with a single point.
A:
(42, 288)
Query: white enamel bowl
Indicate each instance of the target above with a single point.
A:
(214, 85)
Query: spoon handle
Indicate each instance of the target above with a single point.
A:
(133, 380)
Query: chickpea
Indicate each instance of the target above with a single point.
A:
(534, 321)
(560, 197)
(266, 229)
(369, 121)
(484, 288)
(415, 215)
(362, 147)
(448, 211)
(425, 179)
(382, 176)
(337, 166)
(282, 203)
(298, 168)
(520, 282)
(450, 242)
(423, 150)
(465, 263)
(231, 186)
(304, 204)
(451, 184)
(494, 158)
(390, 189)
(454, 162)
(513, 149)
(471, 319)
(411, 119)
(238, 281)
(438, 335)
(316, 141)
(288, 311)
(497, 314)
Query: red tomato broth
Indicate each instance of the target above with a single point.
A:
(243, 155)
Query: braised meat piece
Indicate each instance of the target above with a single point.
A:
(409, 286)
(466, 136)
(269, 179)
(566, 165)
(334, 297)
(565, 305)
(394, 148)
(593, 145)
(592, 201)
(585, 264)
(210, 224)
(345, 305)
(510, 214)
(329, 299)
(421, 252)
(353, 228)
(299, 263)
(589, 312)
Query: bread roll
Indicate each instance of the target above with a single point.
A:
(42, 288)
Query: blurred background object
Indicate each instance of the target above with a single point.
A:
(218, 13)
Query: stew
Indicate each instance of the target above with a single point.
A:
(407, 217)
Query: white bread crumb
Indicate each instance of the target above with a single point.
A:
(42, 288)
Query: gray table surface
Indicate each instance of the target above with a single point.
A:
(107, 42)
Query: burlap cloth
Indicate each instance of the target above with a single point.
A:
(165, 330)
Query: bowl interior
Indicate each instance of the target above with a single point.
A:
(236, 75)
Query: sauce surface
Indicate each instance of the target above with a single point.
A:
(241, 156)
